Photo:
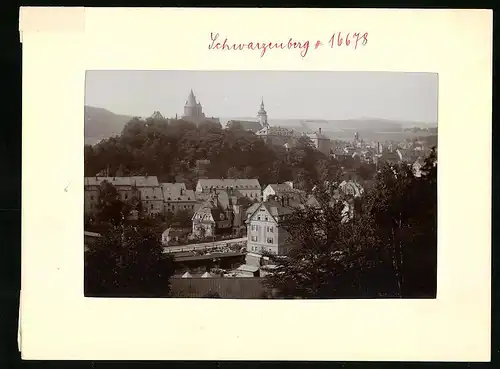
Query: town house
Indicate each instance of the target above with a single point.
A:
(249, 188)
(177, 197)
(263, 229)
(282, 190)
(128, 188)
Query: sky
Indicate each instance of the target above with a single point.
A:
(286, 94)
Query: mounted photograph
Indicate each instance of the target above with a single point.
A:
(260, 184)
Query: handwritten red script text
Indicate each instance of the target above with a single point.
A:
(338, 39)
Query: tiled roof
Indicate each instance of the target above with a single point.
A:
(248, 268)
(252, 208)
(151, 193)
(240, 184)
(284, 188)
(276, 131)
(274, 208)
(253, 126)
(177, 192)
(139, 181)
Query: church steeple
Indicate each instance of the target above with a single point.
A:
(262, 114)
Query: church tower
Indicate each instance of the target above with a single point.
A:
(262, 115)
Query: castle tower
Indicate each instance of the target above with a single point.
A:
(262, 115)
(192, 109)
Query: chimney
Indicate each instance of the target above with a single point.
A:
(319, 130)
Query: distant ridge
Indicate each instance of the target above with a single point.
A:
(101, 123)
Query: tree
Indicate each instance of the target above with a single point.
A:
(183, 219)
(330, 258)
(127, 262)
(366, 171)
(388, 249)
(110, 208)
(404, 208)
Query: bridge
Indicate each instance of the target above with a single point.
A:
(205, 246)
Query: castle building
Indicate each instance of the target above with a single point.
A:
(275, 135)
(320, 142)
(193, 111)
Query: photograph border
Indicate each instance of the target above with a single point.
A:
(453, 327)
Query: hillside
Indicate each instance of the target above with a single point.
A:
(369, 128)
(101, 123)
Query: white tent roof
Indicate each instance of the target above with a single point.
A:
(206, 275)
(187, 275)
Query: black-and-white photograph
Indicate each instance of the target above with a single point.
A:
(260, 184)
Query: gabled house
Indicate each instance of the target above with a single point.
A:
(282, 190)
(264, 233)
(214, 217)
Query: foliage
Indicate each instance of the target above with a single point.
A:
(110, 208)
(331, 258)
(388, 248)
(169, 149)
(181, 218)
(127, 262)
(405, 210)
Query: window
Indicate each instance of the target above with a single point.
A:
(270, 229)
(254, 238)
(266, 219)
(151, 206)
(179, 199)
(258, 218)
(169, 199)
(92, 197)
(126, 196)
(147, 197)
(269, 240)
(189, 198)
(154, 197)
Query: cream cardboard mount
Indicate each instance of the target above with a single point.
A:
(58, 322)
